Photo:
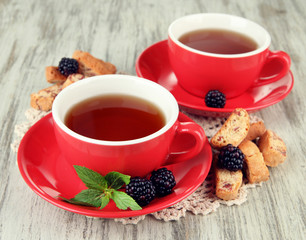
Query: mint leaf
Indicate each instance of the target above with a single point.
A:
(91, 178)
(124, 201)
(104, 201)
(87, 197)
(102, 189)
(115, 180)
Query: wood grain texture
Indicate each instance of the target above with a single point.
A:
(36, 34)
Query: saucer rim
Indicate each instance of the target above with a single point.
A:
(204, 109)
(95, 212)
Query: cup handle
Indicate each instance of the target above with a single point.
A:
(196, 137)
(277, 65)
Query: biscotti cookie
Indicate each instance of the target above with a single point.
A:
(233, 131)
(53, 75)
(255, 167)
(91, 66)
(257, 129)
(43, 99)
(72, 78)
(227, 183)
(273, 148)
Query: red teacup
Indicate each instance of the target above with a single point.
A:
(136, 157)
(199, 72)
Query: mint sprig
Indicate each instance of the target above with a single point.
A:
(101, 189)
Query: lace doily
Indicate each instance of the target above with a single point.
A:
(202, 201)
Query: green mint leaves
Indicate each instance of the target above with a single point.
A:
(101, 189)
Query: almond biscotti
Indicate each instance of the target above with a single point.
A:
(257, 129)
(255, 167)
(251, 159)
(72, 78)
(233, 131)
(43, 99)
(91, 66)
(273, 148)
(228, 172)
(53, 75)
(88, 66)
(227, 183)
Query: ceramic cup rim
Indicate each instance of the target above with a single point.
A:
(263, 44)
(58, 113)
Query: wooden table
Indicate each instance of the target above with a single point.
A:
(36, 34)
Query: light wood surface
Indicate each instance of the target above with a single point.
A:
(35, 34)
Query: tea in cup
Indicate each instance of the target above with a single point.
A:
(121, 123)
(212, 51)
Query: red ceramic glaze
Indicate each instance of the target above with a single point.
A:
(46, 172)
(153, 63)
(199, 72)
(136, 157)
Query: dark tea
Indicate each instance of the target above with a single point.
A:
(218, 41)
(115, 118)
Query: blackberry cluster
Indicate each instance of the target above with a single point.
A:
(68, 66)
(163, 180)
(215, 99)
(141, 190)
(230, 158)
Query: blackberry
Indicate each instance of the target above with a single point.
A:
(215, 99)
(68, 66)
(230, 158)
(141, 190)
(163, 180)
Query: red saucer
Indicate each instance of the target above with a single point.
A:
(154, 64)
(46, 172)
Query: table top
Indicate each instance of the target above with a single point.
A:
(36, 34)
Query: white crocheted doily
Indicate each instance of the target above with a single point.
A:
(202, 201)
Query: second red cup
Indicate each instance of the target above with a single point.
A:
(227, 70)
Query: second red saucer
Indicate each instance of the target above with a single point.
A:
(153, 64)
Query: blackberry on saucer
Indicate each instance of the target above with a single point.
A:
(230, 158)
(68, 66)
(163, 180)
(215, 99)
(141, 190)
